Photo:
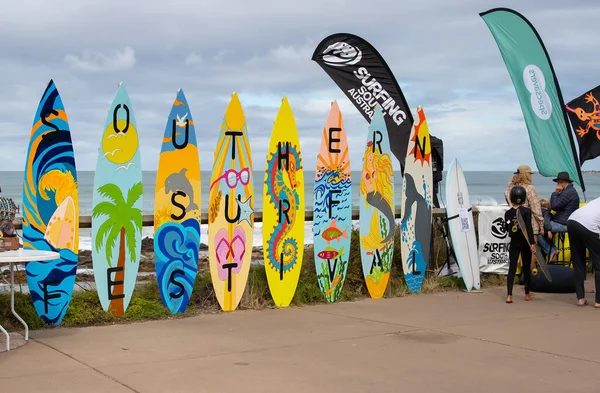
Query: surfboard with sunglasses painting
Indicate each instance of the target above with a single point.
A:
(231, 209)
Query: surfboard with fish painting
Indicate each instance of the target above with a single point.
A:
(332, 221)
(177, 208)
(51, 208)
(377, 220)
(117, 207)
(231, 209)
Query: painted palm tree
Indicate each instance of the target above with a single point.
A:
(122, 223)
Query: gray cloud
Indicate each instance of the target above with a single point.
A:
(442, 54)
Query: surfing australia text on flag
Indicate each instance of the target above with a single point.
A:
(365, 78)
(493, 240)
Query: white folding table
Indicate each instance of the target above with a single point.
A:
(12, 258)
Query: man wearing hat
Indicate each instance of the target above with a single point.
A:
(564, 201)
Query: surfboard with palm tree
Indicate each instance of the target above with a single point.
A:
(117, 208)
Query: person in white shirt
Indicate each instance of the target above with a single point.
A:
(583, 227)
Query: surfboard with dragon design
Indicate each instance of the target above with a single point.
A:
(283, 208)
(231, 209)
(51, 208)
(417, 204)
(377, 222)
(332, 221)
(117, 207)
(177, 208)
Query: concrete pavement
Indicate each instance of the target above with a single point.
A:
(449, 342)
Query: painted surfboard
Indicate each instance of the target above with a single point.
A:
(377, 221)
(231, 209)
(283, 208)
(417, 204)
(177, 208)
(117, 207)
(51, 208)
(539, 257)
(332, 207)
(461, 226)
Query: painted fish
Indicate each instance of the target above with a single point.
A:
(331, 253)
(333, 232)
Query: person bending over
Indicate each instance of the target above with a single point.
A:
(564, 201)
(518, 242)
(547, 238)
(584, 233)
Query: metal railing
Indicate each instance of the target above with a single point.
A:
(148, 219)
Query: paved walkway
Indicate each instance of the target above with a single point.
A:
(450, 343)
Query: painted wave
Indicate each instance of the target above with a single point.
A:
(321, 211)
(177, 247)
(57, 276)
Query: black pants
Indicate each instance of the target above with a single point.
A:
(581, 238)
(513, 256)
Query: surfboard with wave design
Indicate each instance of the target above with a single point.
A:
(51, 208)
(117, 207)
(177, 208)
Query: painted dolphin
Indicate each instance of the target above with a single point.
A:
(422, 211)
(178, 182)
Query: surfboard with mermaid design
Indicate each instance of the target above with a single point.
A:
(377, 222)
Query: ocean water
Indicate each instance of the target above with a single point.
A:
(485, 188)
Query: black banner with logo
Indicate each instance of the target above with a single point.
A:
(584, 114)
(362, 74)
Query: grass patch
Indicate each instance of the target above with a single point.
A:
(146, 304)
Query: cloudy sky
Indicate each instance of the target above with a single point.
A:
(441, 52)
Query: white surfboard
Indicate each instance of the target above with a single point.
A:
(461, 225)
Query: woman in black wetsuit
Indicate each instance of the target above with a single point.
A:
(518, 243)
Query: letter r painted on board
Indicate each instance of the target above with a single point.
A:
(377, 138)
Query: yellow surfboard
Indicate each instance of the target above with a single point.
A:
(231, 209)
(283, 208)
